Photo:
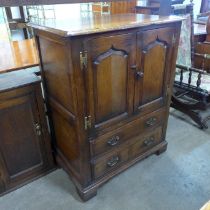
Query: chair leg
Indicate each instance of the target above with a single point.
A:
(182, 107)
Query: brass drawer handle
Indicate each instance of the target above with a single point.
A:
(151, 121)
(149, 141)
(113, 161)
(113, 141)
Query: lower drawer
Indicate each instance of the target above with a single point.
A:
(109, 162)
(145, 143)
(134, 148)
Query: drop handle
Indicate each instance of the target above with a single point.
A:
(151, 122)
(113, 161)
(149, 141)
(113, 141)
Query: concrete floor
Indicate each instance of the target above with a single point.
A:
(179, 179)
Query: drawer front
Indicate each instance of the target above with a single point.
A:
(145, 142)
(136, 147)
(115, 138)
(109, 162)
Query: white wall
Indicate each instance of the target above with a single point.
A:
(67, 11)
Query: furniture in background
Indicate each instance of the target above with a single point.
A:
(18, 55)
(147, 7)
(17, 23)
(192, 85)
(199, 33)
(25, 151)
(156, 7)
(118, 7)
(205, 6)
(108, 82)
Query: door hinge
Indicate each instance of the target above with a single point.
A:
(173, 39)
(87, 122)
(83, 60)
(38, 129)
(168, 91)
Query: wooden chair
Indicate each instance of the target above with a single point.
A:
(192, 85)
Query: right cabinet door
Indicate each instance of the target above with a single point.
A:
(154, 63)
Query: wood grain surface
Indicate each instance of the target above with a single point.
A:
(98, 23)
(18, 55)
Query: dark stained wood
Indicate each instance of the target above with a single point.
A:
(110, 78)
(90, 75)
(116, 138)
(99, 23)
(25, 151)
(152, 74)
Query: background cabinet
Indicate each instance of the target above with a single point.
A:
(25, 151)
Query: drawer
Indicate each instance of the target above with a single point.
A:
(114, 139)
(136, 147)
(145, 142)
(109, 162)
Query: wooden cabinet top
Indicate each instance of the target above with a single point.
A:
(17, 79)
(97, 23)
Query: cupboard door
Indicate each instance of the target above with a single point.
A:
(109, 78)
(22, 147)
(154, 57)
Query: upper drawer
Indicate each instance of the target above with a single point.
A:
(115, 138)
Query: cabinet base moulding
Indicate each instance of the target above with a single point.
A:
(87, 193)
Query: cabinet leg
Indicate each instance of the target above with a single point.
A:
(161, 150)
(87, 194)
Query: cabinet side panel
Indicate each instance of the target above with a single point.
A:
(66, 141)
(57, 73)
(58, 79)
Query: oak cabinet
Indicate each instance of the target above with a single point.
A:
(25, 151)
(108, 85)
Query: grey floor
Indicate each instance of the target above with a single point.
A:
(179, 179)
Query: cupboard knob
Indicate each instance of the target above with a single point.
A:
(113, 141)
(113, 161)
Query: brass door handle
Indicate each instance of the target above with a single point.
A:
(113, 161)
(113, 141)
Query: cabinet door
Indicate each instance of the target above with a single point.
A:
(109, 78)
(154, 58)
(22, 146)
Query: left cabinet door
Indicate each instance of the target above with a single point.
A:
(109, 78)
(24, 149)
